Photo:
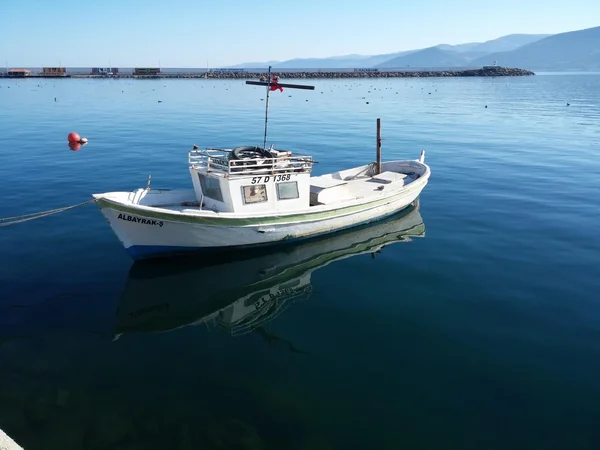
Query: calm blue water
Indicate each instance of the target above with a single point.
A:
(484, 333)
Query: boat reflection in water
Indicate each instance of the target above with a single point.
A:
(243, 292)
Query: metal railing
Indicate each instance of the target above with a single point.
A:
(222, 160)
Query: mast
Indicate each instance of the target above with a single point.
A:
(267, 107)
(272, 83)
(378, 146)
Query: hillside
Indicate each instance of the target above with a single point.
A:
(429, 57)
(467, 53)
(501, 44)
(574, 50)
(334, 62)
(254, 65)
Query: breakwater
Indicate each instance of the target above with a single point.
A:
(243, 75)
(483, 72)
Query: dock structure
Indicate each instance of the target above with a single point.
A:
(18, 73)
(6, 443)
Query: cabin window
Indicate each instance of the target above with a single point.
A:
(287, 191)
(256, 193)
(211, 187)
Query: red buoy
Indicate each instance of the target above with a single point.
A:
(73, 137)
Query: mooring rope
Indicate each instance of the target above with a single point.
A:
(4, 222)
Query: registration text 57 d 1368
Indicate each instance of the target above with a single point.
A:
(272, 178)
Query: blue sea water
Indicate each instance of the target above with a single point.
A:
(483, 333)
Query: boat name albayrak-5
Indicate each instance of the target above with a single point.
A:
(252, 196)
(141, 220)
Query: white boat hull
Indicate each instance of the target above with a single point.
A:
(143, 235)
(152, 223)
(260, 285)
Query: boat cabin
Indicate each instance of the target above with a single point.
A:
(250, 179)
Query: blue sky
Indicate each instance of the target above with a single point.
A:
(188, 33)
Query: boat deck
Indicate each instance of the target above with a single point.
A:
(326, 189)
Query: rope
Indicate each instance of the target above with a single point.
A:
(371, 166)
(4, 222)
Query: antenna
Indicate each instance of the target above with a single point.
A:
(272, 83)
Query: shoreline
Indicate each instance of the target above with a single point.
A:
(226, 75)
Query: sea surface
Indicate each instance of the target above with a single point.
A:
(476, 327)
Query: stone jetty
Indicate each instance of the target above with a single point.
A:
(492, 71)
(488, 71)
(483, 72)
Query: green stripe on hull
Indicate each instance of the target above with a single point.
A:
(252, 221)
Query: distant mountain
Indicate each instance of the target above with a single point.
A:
(461, 55)
(372, 61)
(429, 57)
(253, 65)
(323, 63)
(502, 44)
(334, 62)
(459, 48)
(468, 52)
(574, 50)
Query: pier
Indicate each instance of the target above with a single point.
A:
(6, 443)
(399, 73)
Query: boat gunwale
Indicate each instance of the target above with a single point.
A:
(313, 213)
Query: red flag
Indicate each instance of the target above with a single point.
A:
(275, 85)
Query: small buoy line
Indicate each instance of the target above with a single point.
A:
(6, 221)
(75, 143)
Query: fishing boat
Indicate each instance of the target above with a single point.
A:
(161, 296)
(253, 196)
